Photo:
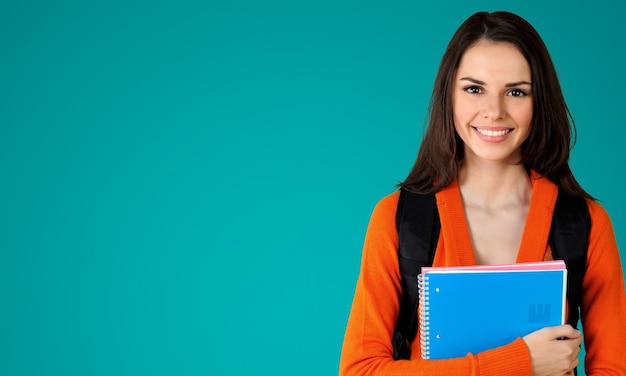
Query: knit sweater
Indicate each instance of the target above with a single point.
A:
(367, 348)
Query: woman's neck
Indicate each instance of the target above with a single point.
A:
(494, 186)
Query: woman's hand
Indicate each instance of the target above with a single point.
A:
(554, 350)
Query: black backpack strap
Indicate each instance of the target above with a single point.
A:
(569, 240)
(418, 225)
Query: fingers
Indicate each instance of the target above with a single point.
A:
(573, 367)
(561, 332)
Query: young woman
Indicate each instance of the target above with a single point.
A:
(495, 155)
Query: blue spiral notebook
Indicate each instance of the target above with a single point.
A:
(472, 309)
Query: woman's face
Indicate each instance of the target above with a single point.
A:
(492, 102)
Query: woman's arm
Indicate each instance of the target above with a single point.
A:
(604, 300)
(367, 348)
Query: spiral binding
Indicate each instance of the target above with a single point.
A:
(424, 315)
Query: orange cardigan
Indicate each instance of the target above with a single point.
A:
(367, 346)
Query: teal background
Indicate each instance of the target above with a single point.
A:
(185, 186)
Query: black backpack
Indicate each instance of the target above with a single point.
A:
(418, 225)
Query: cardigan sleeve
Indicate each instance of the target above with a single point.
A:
(367, 348)
(603, 313)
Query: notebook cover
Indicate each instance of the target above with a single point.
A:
(469, 311)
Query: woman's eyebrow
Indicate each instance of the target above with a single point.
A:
(473, 80)
(479, 82)
(519, 83)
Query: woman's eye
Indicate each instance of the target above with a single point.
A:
(517, 93)
(473, 89)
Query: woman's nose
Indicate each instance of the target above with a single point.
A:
(493, 107)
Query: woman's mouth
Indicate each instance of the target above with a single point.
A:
(493, 133)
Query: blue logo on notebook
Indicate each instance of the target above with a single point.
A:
(539, 313)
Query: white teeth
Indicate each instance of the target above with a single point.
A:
(491, 133)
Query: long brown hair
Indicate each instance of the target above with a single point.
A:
(553, 132)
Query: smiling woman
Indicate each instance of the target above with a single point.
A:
(496, 158)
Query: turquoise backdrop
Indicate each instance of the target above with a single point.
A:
(185, 185)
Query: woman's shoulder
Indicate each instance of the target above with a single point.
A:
(387, 204)
(599, 216)
(384, 213)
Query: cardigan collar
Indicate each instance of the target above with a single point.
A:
(455, 235)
